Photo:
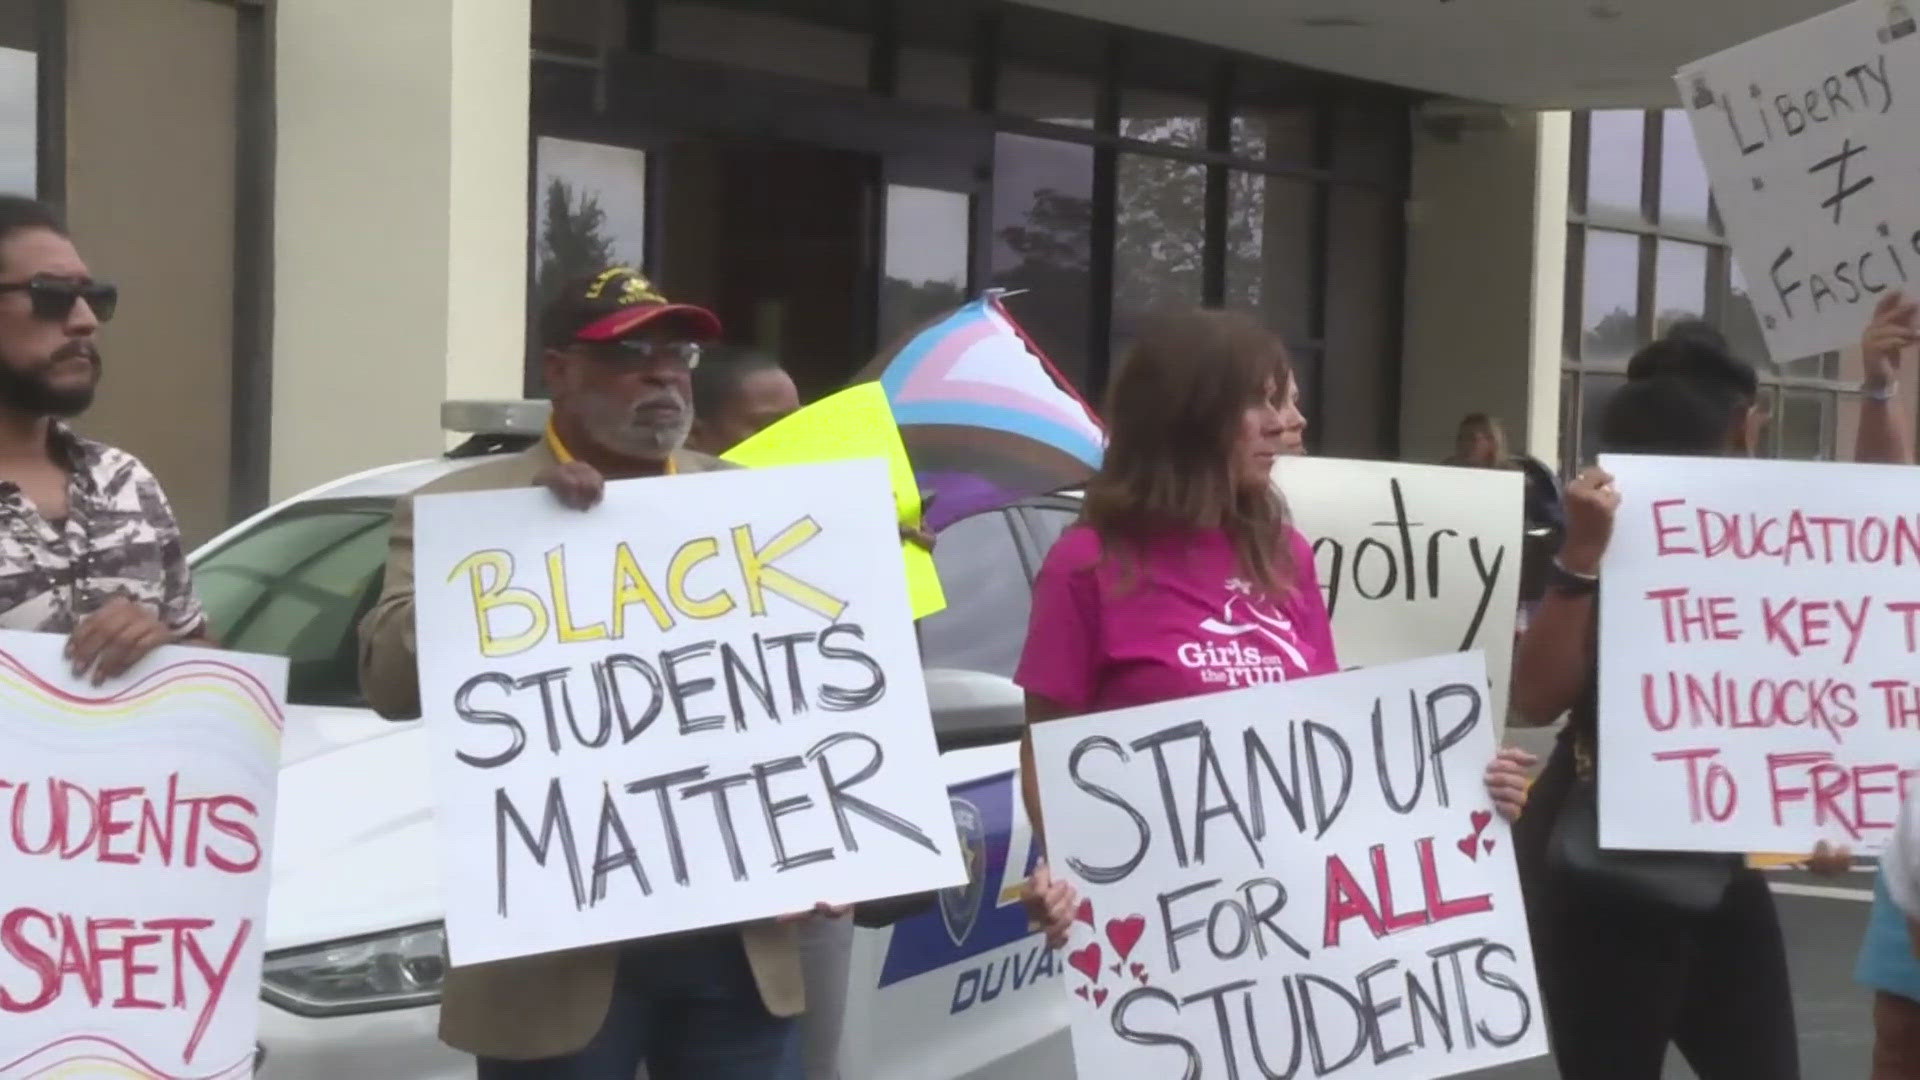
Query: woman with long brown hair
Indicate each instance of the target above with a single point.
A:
(1184, 575)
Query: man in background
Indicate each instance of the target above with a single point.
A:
(737, 395)
(88, 544)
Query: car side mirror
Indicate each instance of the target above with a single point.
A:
(973, 708)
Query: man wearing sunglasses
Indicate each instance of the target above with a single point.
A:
(720, 1005)
(88, 544)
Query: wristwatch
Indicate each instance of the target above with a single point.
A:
(1883, 393)
(1567, 583)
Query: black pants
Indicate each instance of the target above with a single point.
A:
(1621, 986)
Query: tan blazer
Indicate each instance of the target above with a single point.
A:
(537, 1006)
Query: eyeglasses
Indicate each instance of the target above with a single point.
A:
(645, 352)
(53, 297)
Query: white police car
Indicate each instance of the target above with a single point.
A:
(355, 944)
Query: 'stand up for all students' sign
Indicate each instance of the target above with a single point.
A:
(133, 862)
(1759, 624)
(1414, 560)
(1812, 136)
(699, 703)
(1298, 879)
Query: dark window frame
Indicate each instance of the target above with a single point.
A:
(1649, 228)
(1225, 92)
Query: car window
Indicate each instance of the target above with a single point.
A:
(1046, 523)
(984, 623)
(295, 586)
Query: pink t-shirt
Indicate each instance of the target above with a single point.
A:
(1180, 620)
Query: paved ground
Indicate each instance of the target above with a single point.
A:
(1824, 920)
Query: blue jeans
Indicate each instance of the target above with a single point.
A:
(688, 1009)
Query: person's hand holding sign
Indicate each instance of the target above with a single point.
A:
(1507, 781)
(1890, 333)
(820, 910)
(576, 484)
(1591, 502)
(114, 638)
(1050, 905)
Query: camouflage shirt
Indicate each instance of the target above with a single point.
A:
(119, 539)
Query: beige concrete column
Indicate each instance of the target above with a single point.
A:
(400, 224)
(150, 194)
(1486, 256)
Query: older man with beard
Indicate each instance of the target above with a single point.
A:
(714, 1005)
(88, 544)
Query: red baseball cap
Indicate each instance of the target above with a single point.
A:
(611, 304)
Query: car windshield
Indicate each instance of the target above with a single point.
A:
(295, 585)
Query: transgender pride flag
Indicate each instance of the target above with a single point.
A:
(986, 419)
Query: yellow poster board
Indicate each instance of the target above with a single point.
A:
(854, 423)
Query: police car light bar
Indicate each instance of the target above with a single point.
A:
(494, 417)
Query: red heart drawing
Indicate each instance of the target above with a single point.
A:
(1086, 961)
(1085, 914)
(1469, 847)
(1125, 933)
(1081, 990)
(1099, 998)
(1487, 844)
(1140, 972)
(1481, 819)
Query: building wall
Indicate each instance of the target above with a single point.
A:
(150, 112)
(400, 225)
(1486, 243)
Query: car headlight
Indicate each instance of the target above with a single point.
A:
(397, 970)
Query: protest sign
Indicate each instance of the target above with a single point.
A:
(1809, 136)
(855, 423)
(1758, 626)
(1295, 879)
(698, 704)
(1414, 560)
(135, 862)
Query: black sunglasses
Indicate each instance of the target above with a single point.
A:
(53, 297)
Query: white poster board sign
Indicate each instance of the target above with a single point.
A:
(134, 861)
(1414, 560)
(1758, 683)
(1811, 135)
(698, 704)
(1305, 878)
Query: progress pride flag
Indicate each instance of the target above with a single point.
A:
(1758, 628)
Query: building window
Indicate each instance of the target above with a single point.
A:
(590, 211)
(1646, 250)
(1043, 244)
(1128, 172)
(19, 102)
(1159, 239)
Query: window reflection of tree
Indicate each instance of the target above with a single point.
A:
(573, 236)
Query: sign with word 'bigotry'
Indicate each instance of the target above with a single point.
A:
(699, 703)
(1297, 879)
(134, 862)
(1811, 135)
(1758, 631)
(1414, 560)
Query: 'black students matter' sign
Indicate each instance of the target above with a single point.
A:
(699, 703)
